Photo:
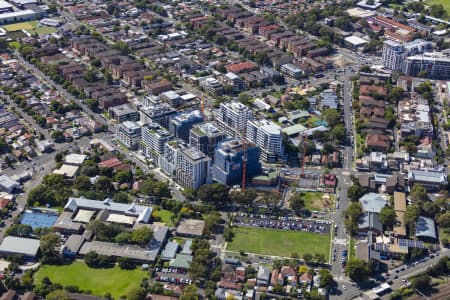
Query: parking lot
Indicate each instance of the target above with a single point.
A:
(172, 275)
(286, 222)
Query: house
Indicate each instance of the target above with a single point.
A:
(242, 67)
(377, 142)
(433, 181)
(306, 278)
(426, 229)
(372, 202)
(370, 222)
(7, 184)
(263, 276)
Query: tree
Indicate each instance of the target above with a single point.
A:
(437, 10)
(244, 98)
(125, 263)
(326, 279)
(211, 222)
(444, 220)
(95, 260)
(332, 117)
(58, 295)
(422, 283)
(121, 197)
(338, 133)
(20, 230)
(296, 202)
(137, 294)
(123, 238)
(395, 94)
(418, 193)
(58, 136)
(388, 217)
(357, 270)
(320, 258)
(355, 192)
(215, 193)
(122, 47)
(49, 245)
(90, 75)
(352, 215)
(82, 182)
(123, 176)
(411, 215)
(190, 292)
(243, 198)
(156, 189)
(141, 236)
(104, 184)
(59, 156)
(307, 257)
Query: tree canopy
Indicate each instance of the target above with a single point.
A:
(388, 217)
(214, 193)
(357, 270)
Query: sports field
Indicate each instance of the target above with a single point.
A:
(445, 4)
(278, 242)
(31, 27)
(116, 281)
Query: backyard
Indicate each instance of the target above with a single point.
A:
(116, 281)
(278, 242)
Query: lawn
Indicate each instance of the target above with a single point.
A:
(165, 216)
(19, 26)
(31, 27)
(278, 242)
(445, 4)
(314, 201)
(100, 281)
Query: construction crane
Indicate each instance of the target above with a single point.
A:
(202, 106)
(305, 139)
(241, 135)
(244, 164)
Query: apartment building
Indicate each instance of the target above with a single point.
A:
(157, 113)
(181, 123)
(205, 137)
(268, 136)
(227, 168)
(192, 168)
(232, 117)
(429, 65)
(129, 134)
(154, 138)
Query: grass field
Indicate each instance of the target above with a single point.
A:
(278, 242)
(445, 4)
(31, 27)
(100, 281)
(165, 216)
(313, 200)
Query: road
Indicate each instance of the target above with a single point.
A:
(413, 271)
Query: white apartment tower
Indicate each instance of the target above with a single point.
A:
(267, 135)
(154, 138)
(233, 116)
(193, 168)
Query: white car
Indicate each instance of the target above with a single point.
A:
(344, 287)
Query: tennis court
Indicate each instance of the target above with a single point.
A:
(37, 218)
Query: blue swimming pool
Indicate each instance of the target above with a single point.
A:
(39, 218)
